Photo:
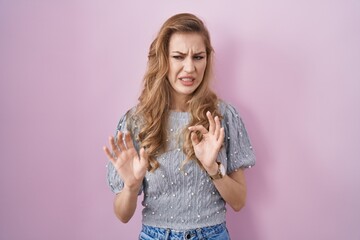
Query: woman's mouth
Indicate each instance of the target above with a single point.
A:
(187, 81)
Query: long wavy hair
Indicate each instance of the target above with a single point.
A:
(154, 101)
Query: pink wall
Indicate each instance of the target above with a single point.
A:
(69, 69)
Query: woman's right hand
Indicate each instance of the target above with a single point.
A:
(130, 165)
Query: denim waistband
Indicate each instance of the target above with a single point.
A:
(198, 233)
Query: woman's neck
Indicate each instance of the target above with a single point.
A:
(178, 108)
(178, 104)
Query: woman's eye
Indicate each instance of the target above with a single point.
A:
(178, 57)
(198, 57)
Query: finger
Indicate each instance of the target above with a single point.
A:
(199, 128)
(109, 155)
(143, 158)
(120, 141)
(217, 127)
(128, 141)
(194, 139)
(211, 122)
(221, 137)
(114, 148)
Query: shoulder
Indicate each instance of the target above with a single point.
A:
(127, 118)
(227, 110)
(131, 113)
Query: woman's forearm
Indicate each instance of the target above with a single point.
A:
(125, 203)
(232, 188)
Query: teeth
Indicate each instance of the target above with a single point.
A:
(186, 79)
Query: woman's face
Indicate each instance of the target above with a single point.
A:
(187, 63)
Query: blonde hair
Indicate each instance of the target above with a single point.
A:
(154, 101)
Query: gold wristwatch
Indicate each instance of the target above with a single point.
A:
(220, 173)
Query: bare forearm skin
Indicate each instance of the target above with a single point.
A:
(232, 188)
(125, 203)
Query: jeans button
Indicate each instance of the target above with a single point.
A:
(188, 236)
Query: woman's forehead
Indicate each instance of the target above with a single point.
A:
(187, 42)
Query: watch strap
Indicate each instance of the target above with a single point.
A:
(218, 175)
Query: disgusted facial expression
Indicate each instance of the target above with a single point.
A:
(187, 64)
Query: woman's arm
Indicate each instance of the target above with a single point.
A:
(132, 167)
(232, 189)
(125, 203)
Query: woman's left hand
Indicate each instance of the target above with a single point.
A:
(208, 148)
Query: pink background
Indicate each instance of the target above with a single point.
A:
(70, 69)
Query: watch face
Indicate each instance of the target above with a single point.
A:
(222, 169)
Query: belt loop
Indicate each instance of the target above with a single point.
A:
(198, 232)
(167, 233)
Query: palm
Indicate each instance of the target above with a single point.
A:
(128, 163)
(208, 148)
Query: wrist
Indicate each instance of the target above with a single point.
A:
(213, 169)
(220, 173)
(132, 188)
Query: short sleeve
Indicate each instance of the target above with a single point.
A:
(114, 181)
(239, 151)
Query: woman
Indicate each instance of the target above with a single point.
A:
(181, 146)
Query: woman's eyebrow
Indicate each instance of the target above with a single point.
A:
(178, 52)
(197, 53)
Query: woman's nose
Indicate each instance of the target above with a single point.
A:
(189, 66)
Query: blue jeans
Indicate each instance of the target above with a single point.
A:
(216, 232)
